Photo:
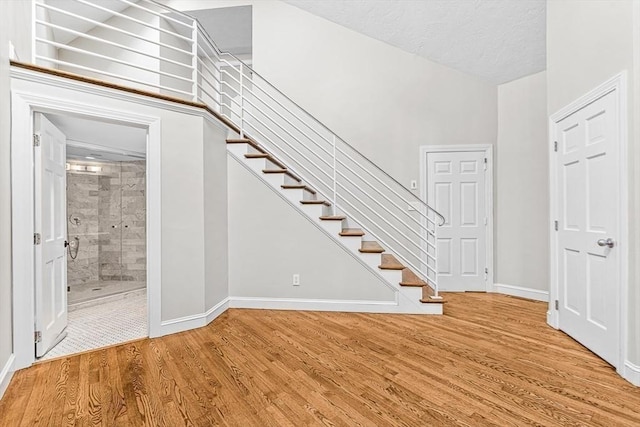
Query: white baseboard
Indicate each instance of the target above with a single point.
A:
(217, 310)
(631, 373)
(519, 291)
(194, 321)
(307, 304)
(354, 306)
(6, 374)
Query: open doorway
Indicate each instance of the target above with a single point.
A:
(93, 294)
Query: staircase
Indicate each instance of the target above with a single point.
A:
(383, 224)
(344, 230)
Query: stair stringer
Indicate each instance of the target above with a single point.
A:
(407, 299)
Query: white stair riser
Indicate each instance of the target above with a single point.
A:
(274, 179)
(351, 242)
(372, 260)
(238, 149)
(333, 227)
(293, 194)
(414, 292)
(314, 211)
(391, 276)
(255, 164)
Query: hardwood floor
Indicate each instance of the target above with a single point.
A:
(490, 360)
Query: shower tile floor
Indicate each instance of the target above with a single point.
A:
(91, 291)
(111, 322)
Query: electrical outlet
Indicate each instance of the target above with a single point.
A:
(414, 184)
(296, 280)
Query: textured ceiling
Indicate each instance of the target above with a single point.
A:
(496, 40)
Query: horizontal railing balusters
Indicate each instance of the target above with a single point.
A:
(137, 21)
(112, 59)
(111, 27)
(110, 43)
(106, 73)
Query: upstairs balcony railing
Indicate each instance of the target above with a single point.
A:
(149, 46)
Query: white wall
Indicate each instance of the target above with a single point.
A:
(587, 43)
(522, 193)
(216, 250)
(384, 101)
(16, 27)
(269, 241)
(183, 256)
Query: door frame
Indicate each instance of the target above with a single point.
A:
(23, 106)
(487, 149)
(618, 86)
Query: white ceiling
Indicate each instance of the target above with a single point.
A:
(229, 27)
(101, 140)
(496, 40)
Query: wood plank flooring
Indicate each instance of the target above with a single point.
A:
(490, 360)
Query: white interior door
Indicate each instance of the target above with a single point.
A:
(588, 200)
(456, 188)
(50, 224)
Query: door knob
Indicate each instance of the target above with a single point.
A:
(608, 242)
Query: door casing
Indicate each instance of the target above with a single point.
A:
(618, 86)
(487, 149)
(24, 105)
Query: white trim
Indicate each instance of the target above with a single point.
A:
(618, 85)
(522, 292)
(118, 94)
(631, 373)
(216, 310)
(304, 304)
(24, 104)
(6, 374)
(194, 321)
(488, 193)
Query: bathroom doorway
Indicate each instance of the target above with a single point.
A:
(105, 235)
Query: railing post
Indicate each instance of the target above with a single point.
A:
(194, 61)
(435, 255)
(34, 32)
(335, 176)
(241, 100)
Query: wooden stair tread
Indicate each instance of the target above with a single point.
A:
(416, 283)
(284, 171)
(298, 187)
(389, 262)
(351, 232)
(371, 248)
(427, 293)
(433, 301)
(409, 278)
(256, 156)
(315, 202)
(245, 141)
(333, 218)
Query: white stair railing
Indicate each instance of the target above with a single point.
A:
(150, 46)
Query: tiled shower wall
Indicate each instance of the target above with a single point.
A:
(113, 207)
(82, 203)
